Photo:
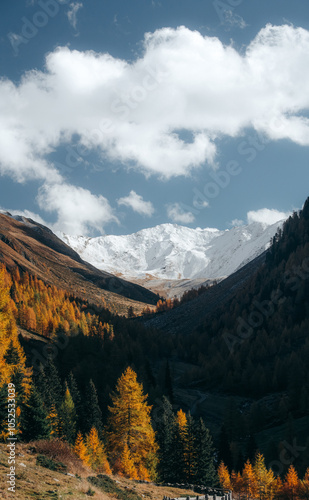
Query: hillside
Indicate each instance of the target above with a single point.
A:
(34, 248)
(37, 482)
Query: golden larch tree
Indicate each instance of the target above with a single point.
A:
(80, 449)
(224, 476)
(96, 452)
(131, 438)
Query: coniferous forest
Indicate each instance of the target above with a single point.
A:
(106, 385)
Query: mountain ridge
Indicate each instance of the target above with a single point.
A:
(174, 252)
(36, 249)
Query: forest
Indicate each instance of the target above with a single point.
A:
(109, 389)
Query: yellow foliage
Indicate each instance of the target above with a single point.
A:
(131, 435)
(96, 452)
(80, 449)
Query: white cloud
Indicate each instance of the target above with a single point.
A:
(78, 211)
(136, 202)
(72, 13)
(133, 112)
(177, 214)
(266, 216)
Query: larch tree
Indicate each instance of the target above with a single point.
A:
(291, 483)
(130, 430)
(304, 487)
(80, 449)
(249, 481)
(265, 478)
(12, 357)
(224, 476)
(96, 453)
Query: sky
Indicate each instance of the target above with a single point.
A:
(121, 115)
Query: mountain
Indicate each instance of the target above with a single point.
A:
(188, 257)
(36, 249)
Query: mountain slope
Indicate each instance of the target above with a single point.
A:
(174, 252)
(34, 248)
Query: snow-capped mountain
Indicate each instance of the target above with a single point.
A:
(170, 251)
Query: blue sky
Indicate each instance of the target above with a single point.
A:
(116, 116)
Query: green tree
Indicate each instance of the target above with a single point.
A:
(67, 416)
(205, 468)
(165, 435)
(92, 415)
(34, 423)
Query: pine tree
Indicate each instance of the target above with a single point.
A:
(96, 452)
(34, 423)
(130, 426)
(205, 469)
(165, 434)
(92, 415)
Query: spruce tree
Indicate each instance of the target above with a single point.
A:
(77, 400)
(191, 456)
(205, 470)
(92, 415)
(53, 384)
(178, 448)
(165, 436)
(34, 423)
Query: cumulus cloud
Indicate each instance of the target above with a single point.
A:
(72, 13)
(78, 210)
(177, 214)
(135, 112)
(266, 216)
(136, 202)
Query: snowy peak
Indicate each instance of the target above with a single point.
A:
(170, 251)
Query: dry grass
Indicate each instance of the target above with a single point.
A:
(34, 482)
(60, 451)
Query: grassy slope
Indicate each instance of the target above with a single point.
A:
(35, 482)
